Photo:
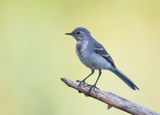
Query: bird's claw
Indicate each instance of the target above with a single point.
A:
(80, 82)
(92, 87)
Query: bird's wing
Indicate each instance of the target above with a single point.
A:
(99, 49)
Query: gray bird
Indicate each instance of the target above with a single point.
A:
(93, 55)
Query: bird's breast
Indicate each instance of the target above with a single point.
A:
(81, 49)
(85, 55)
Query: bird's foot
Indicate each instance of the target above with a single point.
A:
(92, 87)
(80, 82)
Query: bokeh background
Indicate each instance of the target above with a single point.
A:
(35, 54)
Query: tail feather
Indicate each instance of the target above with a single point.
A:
(125, 79)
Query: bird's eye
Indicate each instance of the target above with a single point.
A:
(78, 32)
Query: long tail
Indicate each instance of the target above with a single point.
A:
(125, 79)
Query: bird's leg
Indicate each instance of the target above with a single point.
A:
(83, 81)
(94, 86)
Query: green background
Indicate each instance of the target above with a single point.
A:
(35, 54)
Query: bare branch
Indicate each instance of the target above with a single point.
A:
(111, 99)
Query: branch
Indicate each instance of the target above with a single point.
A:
(111, 99)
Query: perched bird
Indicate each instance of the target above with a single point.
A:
(93, 55)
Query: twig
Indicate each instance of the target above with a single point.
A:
(111, 99)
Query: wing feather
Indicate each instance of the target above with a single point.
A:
(99, 49)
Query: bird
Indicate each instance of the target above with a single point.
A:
(94, 56)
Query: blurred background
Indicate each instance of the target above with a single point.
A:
(35, 54)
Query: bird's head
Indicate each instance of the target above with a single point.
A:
(80, 34)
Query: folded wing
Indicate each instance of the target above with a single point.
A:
(99, 49)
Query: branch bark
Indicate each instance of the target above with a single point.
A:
(111, 99)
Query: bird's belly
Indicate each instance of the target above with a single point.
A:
(93, 61)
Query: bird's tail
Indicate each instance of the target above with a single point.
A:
(125, 79)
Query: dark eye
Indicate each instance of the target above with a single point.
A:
(78, 33)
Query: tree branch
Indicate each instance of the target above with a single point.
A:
(111, 99)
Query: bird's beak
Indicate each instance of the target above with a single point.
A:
(68, 33)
